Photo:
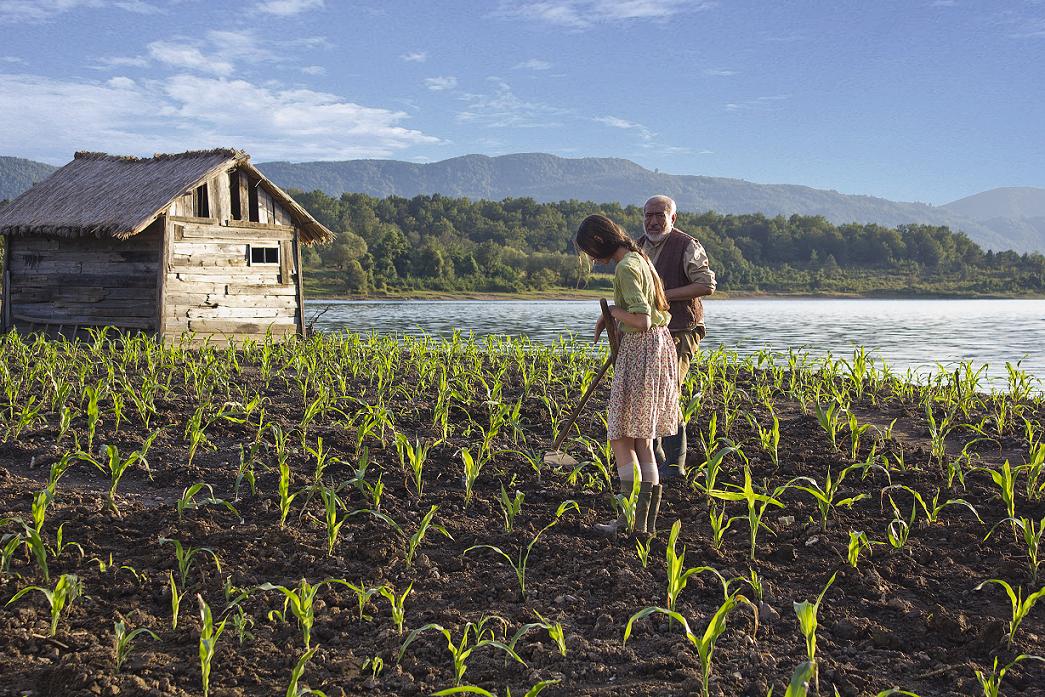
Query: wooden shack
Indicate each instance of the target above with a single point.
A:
(197, 242)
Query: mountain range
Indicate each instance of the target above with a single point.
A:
(999, 219)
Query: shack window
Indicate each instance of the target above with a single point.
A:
(263, 255)
(201, 201)
(234, 195)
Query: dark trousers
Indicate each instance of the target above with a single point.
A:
(671, 450)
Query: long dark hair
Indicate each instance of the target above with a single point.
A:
(600, 237)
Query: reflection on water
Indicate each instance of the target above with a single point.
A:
(918, 334)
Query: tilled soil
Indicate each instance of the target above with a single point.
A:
(905, 617)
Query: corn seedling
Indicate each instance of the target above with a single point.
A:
(519, 564)
(426, 524)
(899, 529)
(1032, 532)
(67, 589)
(807, 622)
(1005, 479)
(299, 601)
(376, 664)
(510, 507)
(175, 600)
(124, 640)
(472, 467)
(642, 548)
(705, 643)
(1020, 606)
(115, 466)
(397, 603)
(472, 638)
(826, 496)
(720, 524)
(829, 418)
(991, 683)
(295, 689)
(858, 543)
(856, 431)
(189, 501)
(286, 497)
(209, 635)
(768, 436)
(756, 504)
(677, 573)
(185, 555)
(554, 629)
(413, 456)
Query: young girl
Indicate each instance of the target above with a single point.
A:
(644, 396)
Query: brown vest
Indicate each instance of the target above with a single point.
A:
(685, 314)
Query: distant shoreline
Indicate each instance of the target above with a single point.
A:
(592, 294)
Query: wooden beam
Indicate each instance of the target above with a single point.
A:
(299, 275)
(166, 242)
(5, 316)
(244, 196)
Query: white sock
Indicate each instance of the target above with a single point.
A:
(628, 472)
(650, 474)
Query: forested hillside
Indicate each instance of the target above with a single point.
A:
(456, 244)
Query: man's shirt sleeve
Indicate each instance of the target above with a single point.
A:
(698, 268)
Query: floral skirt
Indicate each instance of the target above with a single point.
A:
(644, 396)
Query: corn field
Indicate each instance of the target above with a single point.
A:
(361, 514)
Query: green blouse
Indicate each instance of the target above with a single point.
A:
(633, 290)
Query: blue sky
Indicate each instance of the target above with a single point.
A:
(923, 100)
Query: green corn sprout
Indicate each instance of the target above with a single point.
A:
(185, 555)
(397, 603)
(209, 635)
(714, 464)
(115, 466)
(472, 468)
(769, 436)
(1005, 479)
(413, 456)
(677, 573)
(829, 419)
(299, 601)
(426, 524)
(554, 629)
(376, 664)
(331, 503)
(67, 589)
(934, 508)
(799, 684)
(826, 496)
(189, 501)
(642, 548)
(510, 507)
(286, 497)
(536, 689)
(1020, 606)
(1032, 532)
(294, 689)
(720, 524)
(807, 622)
(363, 596)
(519, 565)
(858, 543)
(756, 504)
(175, 600)
(461, 650)
(704, 644)
(124, 640)
(991, 683)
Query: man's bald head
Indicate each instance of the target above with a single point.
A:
(658, 217)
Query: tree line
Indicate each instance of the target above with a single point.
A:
(434, 242)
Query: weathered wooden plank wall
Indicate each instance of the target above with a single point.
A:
(85, 282)
(211, 286)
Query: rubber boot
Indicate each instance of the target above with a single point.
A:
(642, 507)
(621, 523)
(654, 509)
(674, 464)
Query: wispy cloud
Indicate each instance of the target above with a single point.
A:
(287, 8)
(314, 70)
(127, 116)
(533, 64)
(178, 55)
(943, 3)
(581, 14)
(765, 103)
(33, 11)
(13, 59)
(719, 72)
(441, 83)
(414, 57)
(218, 52)
(615, 122)
(502, 108)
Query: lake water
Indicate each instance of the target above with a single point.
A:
(918, 334)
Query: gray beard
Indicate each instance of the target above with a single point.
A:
(657, 238)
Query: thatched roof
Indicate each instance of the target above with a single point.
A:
(115, 196)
